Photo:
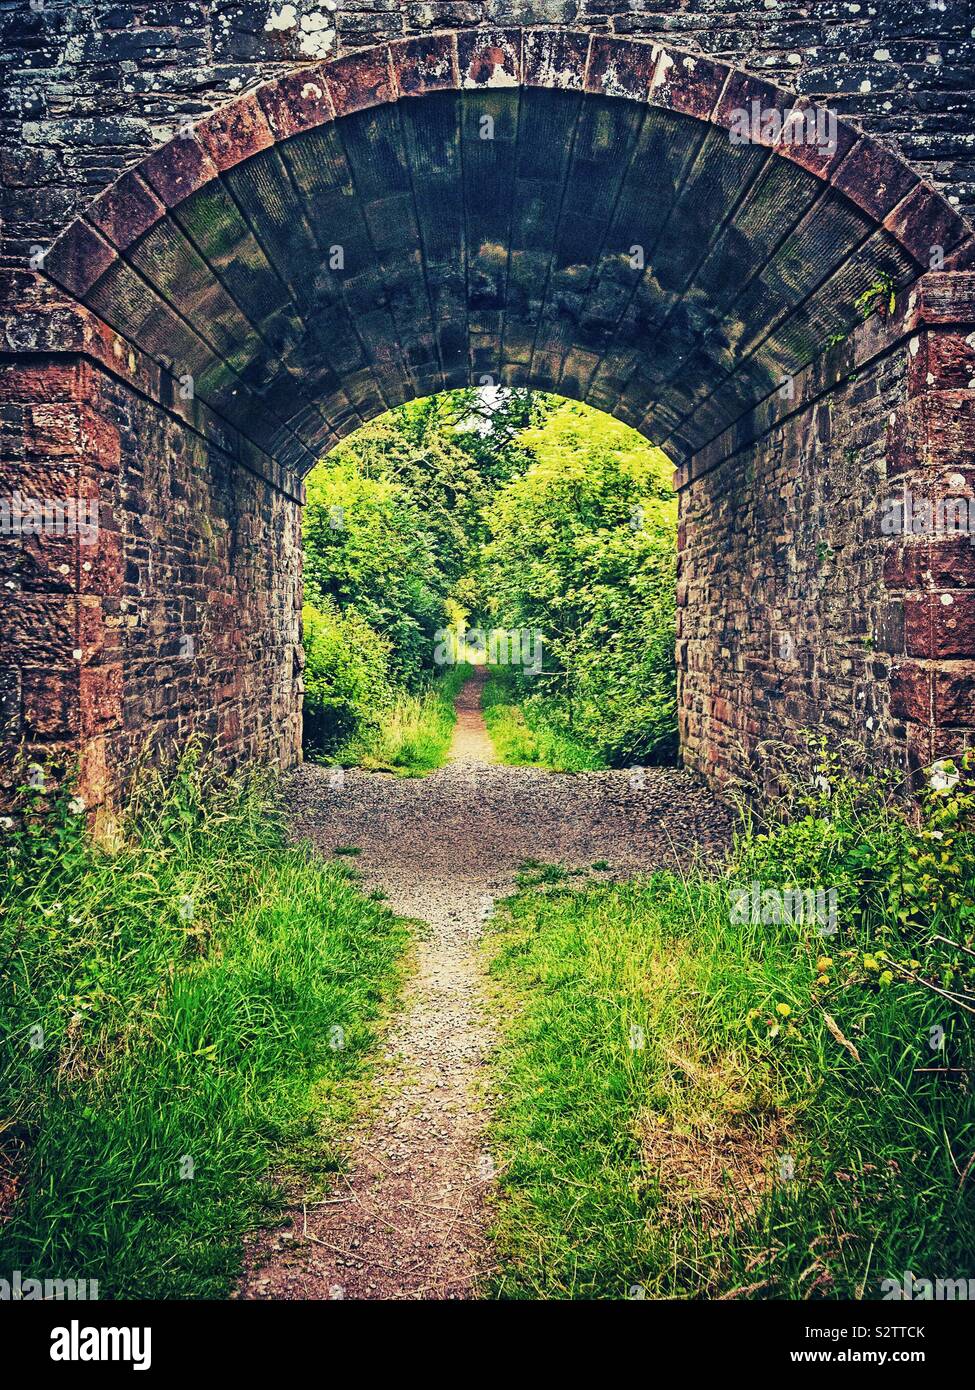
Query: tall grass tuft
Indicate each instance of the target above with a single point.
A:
(525, 734)
(183, 1016)
(412, 735)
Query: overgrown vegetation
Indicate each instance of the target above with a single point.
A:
(530, 733)
(180, 1015)
(476, 511)
(695, 1102)
(582, 550)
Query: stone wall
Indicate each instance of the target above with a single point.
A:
(177, 614)
(804, 603)
(89, 87)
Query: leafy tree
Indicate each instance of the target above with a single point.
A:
(370, 550)
(582, 549)
(517, 509)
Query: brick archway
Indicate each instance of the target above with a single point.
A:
(549, 207)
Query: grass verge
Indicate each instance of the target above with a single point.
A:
(183, 1015)
(413, 736)
(523, 734)
(695, 1103)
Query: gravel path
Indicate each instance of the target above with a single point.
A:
(406, 1221)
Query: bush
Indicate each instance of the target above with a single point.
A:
(347, 683)
(582, 550)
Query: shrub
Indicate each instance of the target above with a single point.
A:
(347, 683)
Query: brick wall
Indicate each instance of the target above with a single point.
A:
(796, 609)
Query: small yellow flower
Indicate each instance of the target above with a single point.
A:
(870, 963)
(886, 977)
(824, 963)
(783, 1010)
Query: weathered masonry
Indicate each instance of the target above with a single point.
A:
(234, 232)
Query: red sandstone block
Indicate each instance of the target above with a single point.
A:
(954, 695)
(963, 256)
(94, 780)
(51, 381)
(178, 169)
(235, 132)
(931, 564)
(924, 221)
(37, 478)
(50, 702)
(39, 629)
(78, 258)
(101, 442)
(489, 57)
(817, 157)
(53, 430)
(945, 297)
(49, 564)
(873, 179)
(910, 692)
(100, 697)
(927, 744)
(102, 565)
(722, 711)
(940, 626)
(618, 68)
(425, 65)
(681, 82)
(942, 360)
(936, 430)
(361, 80)
(744, 94)
(300, 101)
(553, 58)
(126, 210)
(95, 639)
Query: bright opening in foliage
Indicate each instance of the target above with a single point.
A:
(507, 528)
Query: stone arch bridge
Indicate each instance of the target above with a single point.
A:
(234, 232)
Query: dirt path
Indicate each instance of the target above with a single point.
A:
(407, 1221)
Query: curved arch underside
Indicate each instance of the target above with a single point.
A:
(577, 220)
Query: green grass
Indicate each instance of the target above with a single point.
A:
(524, 735)
(413, 736)
(663, 1070)
(182, 1017)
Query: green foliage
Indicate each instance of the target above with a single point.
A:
(413, 735)
(653, 1037)
(530, 734)
(582, 549)
(368, 551)
(169, 1010)
(519, 509)
(347, 677)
